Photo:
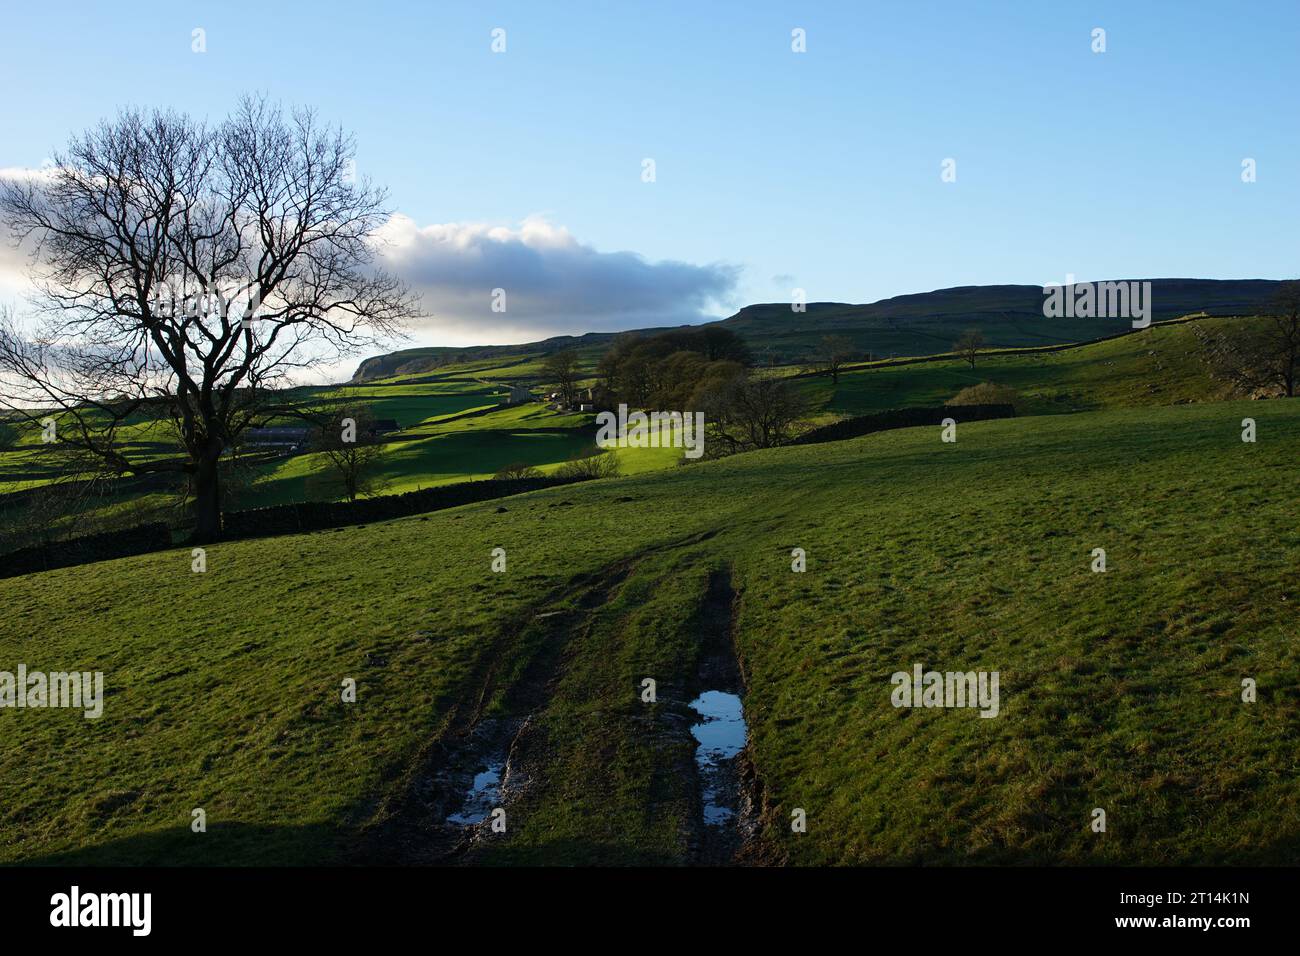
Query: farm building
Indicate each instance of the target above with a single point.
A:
(517, 395)
(285, 439)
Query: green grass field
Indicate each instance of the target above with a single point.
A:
(1119, 690)
(455, 429)
(1162, 365)
(436, 453)
(452, 430)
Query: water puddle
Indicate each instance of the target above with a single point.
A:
(721, 736)
(483, 796)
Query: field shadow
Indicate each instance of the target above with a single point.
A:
(224, 844)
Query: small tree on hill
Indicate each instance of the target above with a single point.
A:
(347, 439)
(835, 351)
(602, 464)
(969, 345)
(1266, 355)
(989, 393)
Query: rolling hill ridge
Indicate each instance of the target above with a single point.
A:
(913, 324)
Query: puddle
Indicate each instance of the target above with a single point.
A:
(721, 736)
(477, 771)
(483, 796)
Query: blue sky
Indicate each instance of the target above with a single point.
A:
(774, 169)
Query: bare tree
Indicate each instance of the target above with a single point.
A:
(1265, 356)
(969, 345)
(750, 413)
(185, 271)
(561, 370)
(348, 440)
(835, 351)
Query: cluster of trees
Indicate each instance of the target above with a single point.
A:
(751, 412)
(563, 371)
(671, 370)
(705, 369)
(708, 370)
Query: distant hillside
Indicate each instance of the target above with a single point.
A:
(917, 324)
(1163, 365)
(415, 361)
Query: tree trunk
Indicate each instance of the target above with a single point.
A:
(207, 501)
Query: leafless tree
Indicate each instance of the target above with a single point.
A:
(751, 412)
(969, 345)
(561, 370)
(835, 351)
(1265, 356)
(349, 442)
(187, 271)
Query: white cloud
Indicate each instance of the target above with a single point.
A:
(14, 260)
(553, 283)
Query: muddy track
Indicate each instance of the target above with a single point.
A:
(410, 826)
(719, 785)
(733, 785)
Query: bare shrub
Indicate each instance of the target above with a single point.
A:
(599, 465)
(989, 393)
(517, 469)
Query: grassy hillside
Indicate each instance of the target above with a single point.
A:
(920, 324)
(455, 430)
(1162, 365)
(1119, 690)
(436, 452)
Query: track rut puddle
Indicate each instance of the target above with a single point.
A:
(484, 795)
(721, 737)
(726, 812)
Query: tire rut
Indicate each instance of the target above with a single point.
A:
(411, 825)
